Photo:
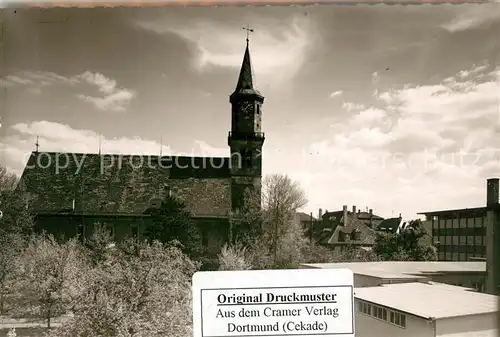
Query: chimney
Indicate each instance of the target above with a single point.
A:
(320, 214)
(344, 215)
(492, 191)
(353, 209)
(492, 237)
(370, 211)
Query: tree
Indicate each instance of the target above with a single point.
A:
(16, 224)
(281, 198)
(407, 245)
(51, 275)
(273, 233)
(141, 289)
(8, 180)
(171, 221)
(98, 244)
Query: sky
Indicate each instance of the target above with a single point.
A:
(393, 108)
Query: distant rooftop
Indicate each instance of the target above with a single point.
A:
(403, 269)
(429, 301)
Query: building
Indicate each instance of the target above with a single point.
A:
(461, 234)
(424, 310)
(327, 222)
(458, 234)
(350, 232)
(305, 220)
(69, 192)
(471, 275)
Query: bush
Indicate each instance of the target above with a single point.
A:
(139, 290)
(235, 257)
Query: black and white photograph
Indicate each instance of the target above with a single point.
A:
(139, 145)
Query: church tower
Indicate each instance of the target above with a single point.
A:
(245, 138)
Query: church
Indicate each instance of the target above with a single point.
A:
(70, 192)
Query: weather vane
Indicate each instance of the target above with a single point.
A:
(249, 30)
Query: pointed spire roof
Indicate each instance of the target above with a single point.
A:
(245, 80)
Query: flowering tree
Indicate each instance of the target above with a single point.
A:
(140, 289)
(15, 224)
(51, 276)
(275, 239)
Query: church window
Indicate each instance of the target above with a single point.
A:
(257, 108)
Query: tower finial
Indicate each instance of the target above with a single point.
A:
(36, 145)
(249, 30)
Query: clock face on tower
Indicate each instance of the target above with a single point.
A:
(247, 110)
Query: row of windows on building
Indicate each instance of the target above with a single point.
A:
(391, 316)
(459, 232)
(460, 240)
(455, 221)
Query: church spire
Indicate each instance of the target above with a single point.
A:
(245, 85)
(245, 80)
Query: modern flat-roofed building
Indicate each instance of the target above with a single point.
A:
(369, 274)
(458, 234)
(424, 310)
(467, 234)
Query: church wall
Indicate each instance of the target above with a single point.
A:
(64, 226)
(67, 226)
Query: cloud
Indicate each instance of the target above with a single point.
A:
(414, 146)
(474, 17)
(335, 94)
(109, 97)
(56, 137)
(350, 106)
(276, 57)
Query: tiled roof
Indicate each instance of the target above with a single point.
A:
(367, 235)
(98, 183)
(430, 301)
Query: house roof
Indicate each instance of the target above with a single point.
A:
(99, 183)
(353, 223)
(390, 225)
(303, 217)
(429, 300)
(367, 216)
(405, 269)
